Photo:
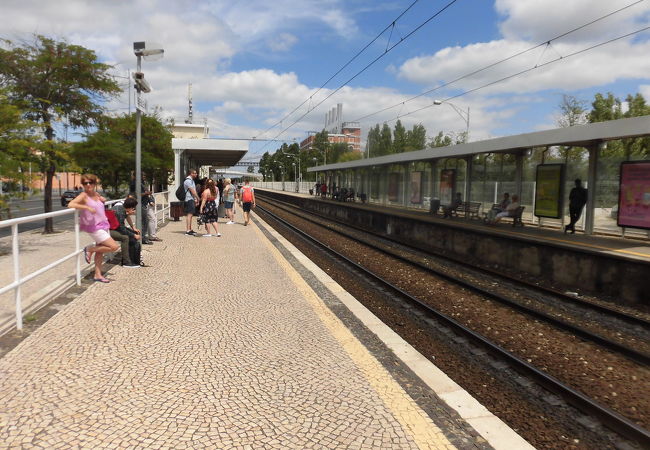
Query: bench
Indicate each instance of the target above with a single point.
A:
(470, 209)
(516, 218)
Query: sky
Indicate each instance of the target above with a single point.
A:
(260, 69)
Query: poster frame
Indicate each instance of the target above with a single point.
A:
(620, 194)
(452, 177)
(560, 203)
(416, 179)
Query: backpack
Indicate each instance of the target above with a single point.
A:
(180, 192)
(113, 223)
(247, 194)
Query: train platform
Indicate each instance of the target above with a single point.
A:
(632, 248)
(236, 341)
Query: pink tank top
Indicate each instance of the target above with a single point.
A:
(91, 222)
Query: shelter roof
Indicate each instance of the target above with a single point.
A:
(577, 136)
(212, 152)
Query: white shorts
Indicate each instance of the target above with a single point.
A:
(100, 236)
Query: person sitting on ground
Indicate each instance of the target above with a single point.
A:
(209, 211)
(132, 251)
(453, 206)
(510, 210)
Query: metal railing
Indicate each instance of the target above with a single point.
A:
(15, 248)
(15, 254)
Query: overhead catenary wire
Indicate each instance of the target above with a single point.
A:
(530, 69)
(489, 66)
(309, 99)
(440, 11)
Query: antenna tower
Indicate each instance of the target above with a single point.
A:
(190, 115)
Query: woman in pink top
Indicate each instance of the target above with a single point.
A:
(92, 220)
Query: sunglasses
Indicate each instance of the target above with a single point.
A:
(87, 182)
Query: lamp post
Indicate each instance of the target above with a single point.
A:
(299, 175)
(461, 112)
(151, 52)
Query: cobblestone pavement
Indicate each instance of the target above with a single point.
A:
(215, 346)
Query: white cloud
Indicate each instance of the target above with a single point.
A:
(282, 42)
(527, 24)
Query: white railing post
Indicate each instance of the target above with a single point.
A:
(77, 239)
(17, 289)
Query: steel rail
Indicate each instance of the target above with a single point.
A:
(635, 355)
(633, 320)
(608, 417)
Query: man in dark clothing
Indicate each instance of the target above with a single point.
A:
(577, 201)
(131, 247)
(144, 202)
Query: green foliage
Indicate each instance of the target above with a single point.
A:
(440, 140)
(109, 152)
(350, 156)
(54, 81)
(381, 142)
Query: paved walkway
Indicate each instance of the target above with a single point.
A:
(223, 344)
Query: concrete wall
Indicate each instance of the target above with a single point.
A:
(584, 270)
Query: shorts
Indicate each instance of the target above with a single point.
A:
(100, 236)
(247, 206)
(190, 207)
(229, 205)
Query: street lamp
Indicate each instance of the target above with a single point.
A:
(150, 52)
(299, 177)
(461, 112)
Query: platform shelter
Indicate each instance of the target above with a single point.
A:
(483, 171)
(193, 149)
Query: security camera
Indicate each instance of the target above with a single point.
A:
(140, 83)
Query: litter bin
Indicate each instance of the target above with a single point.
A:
(435, 205)
(177, 210)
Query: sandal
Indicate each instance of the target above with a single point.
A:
(86, 256)
(102, 280)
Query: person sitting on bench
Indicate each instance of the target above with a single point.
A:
(510, 210)
(453, 206)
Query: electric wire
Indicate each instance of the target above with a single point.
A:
(530, 69)
(391, 25)
(489, 66)
(440, 11)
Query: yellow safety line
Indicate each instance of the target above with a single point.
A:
(413, 420)
(600, 247)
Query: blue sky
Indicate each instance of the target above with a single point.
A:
(251, 62)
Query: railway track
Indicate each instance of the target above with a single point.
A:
(584, 403)
(616, 330)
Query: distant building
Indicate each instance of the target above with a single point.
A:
(338, 131)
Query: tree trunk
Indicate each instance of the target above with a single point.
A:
(47, 201)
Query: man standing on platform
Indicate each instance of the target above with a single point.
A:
(191, 201)
(577, 201)
(248, 200)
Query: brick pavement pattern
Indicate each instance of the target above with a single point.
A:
(212, 346)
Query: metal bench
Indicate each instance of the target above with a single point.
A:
(470, 209)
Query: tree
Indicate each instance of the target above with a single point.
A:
(250, 169)
(572, 111)
(109, 152)
(372, 145)
(440, 141)
(399, 138)
(57, 82)
(385, 145)
(416, 139)
(321, 144)
(16, 144)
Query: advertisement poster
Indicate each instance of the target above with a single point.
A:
(447, 184)
(393, 186)
(416, 187)
(634, 195)
(549, 191)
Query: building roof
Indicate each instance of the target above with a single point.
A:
(212, 152)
